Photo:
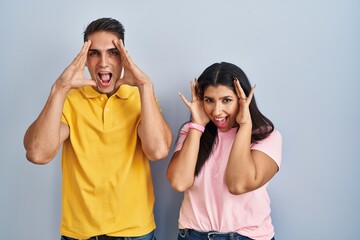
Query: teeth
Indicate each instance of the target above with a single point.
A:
(220, 120)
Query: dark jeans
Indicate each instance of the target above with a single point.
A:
(149, 236)
(190, 234)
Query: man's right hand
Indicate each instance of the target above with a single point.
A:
(73, 76)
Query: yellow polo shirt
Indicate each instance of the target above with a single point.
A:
(106, 180)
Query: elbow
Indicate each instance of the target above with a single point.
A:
(37, 158)
(158, 149)
(158, 153)
(179, 185)
(238, 188)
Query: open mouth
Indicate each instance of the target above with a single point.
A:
(105, 78)
(221, 122)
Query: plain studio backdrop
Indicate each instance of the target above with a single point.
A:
(304, 57)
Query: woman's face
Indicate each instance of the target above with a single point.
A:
(221, 105)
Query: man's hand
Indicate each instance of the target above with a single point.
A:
(132, 75)
(73, 76)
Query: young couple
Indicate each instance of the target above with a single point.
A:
(111, 125)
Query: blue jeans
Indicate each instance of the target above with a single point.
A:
(149, 236)
(190, 234)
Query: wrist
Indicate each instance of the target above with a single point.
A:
(145, 86)
(59, 89)
(196, 126)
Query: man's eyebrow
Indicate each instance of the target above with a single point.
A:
(96, 50)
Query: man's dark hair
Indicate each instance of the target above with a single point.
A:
(106, 25)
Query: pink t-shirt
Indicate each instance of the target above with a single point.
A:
(209, 206)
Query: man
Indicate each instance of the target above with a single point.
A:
(109, 127)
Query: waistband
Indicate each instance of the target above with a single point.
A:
(212, 234)
(100, 237)
(103, 237)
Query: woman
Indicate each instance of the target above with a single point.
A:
(224, 159)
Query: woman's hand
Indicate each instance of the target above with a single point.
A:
(243, 116)
(196, 106)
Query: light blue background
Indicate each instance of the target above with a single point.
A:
(304, 57)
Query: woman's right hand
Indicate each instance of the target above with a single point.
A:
(196, 106)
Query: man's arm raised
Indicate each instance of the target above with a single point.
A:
(45, 135)
(153, 130)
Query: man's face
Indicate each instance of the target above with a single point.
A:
(103, 61)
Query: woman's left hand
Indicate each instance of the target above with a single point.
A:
(243, 116)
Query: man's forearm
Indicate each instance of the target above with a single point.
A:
(42, 139)
(155, 133)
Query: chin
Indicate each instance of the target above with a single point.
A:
(107, 90)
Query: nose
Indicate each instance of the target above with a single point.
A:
(217, 109)
(103, 61)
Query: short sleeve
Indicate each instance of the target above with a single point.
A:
(271, 146)
(65, 110)
(63, 119)
(182, 136)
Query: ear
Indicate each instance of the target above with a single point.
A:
(122, 72)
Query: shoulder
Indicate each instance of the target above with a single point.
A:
(274, 138)
(80, 93)
(74, 96)
(271, 145)
(127, 91)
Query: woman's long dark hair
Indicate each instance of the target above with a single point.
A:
(224, 74)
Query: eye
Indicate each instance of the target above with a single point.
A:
(93, 53)
(113, 52)
(208, 100)
(227, 100)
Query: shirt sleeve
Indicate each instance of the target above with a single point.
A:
(271, 146)
(182, 136)
(65, 110)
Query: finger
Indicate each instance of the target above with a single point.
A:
(125, 57)
(236, 83)
(82, 55)
(91, 82)
(119, 47)
(193, 92)
(84, 82)
(187, 103)
(251, 94)
(117, 44)
(240, 92)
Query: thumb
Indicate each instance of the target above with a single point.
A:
(89, 82)
(187, 103)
